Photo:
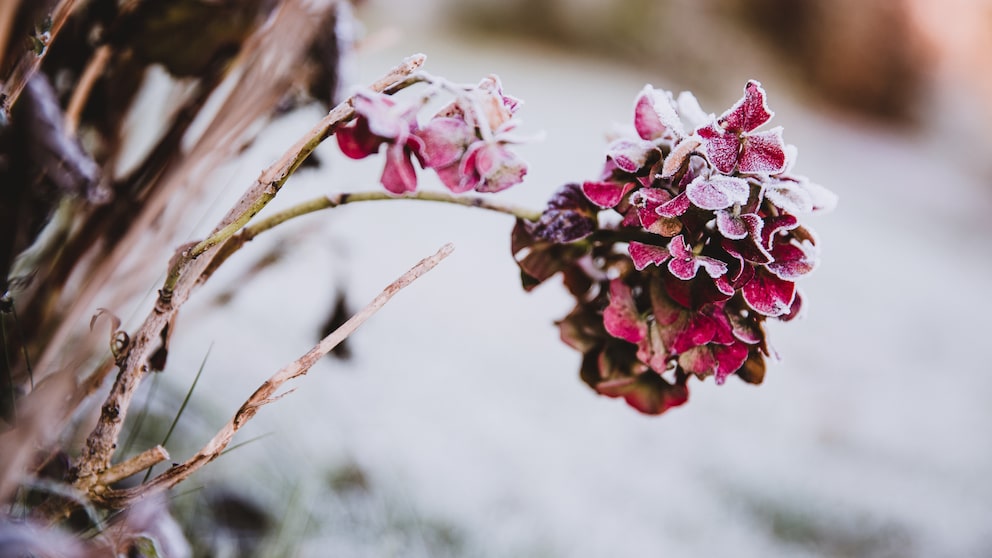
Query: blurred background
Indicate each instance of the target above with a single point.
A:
(458, 426)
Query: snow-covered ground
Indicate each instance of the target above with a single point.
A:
(468, 420)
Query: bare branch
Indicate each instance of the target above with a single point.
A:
(186, 269)
(29, 63)
(266, 393)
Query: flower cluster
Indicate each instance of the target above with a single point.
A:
(466, 143)
(676, 255)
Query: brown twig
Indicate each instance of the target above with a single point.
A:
(266, 393)
(29, 63)
(187, 267)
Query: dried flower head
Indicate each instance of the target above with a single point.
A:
(705, 245)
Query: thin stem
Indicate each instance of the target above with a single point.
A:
(182, 408)
(329, 202)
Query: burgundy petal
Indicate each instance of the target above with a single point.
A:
(631, 156)
(768, 294)
(718, 192)
(791, 261)
(677, 206)
(722, 149)
(749, 112)
(399, 176)
(763, 153)
(644, 255)
(737, 227)
(356, 141)
(606, 194)
(621, 317)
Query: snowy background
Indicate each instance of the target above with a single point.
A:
(460, 426)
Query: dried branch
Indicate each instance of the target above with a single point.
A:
(136, 464)
(189, 264)
(266, 393)
(29, 63)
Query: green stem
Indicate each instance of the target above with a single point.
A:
(328, 202)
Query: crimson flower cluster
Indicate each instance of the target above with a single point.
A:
(681, 249)
(466, 143)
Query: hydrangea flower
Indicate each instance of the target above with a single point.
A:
(466, 143)
(704, 245)
(382, 121)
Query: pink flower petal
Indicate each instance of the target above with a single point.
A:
(621, 318)
(445, 140)
(791, 262)
(399, 176)
(356, 141)
(674, 208)
(646, 120)
(606, 194)
(768, 294)
(718, 192)
(763, 153)
(722, 149)
(644, 255)
(631, 156)
(737, 227)
(749, 112)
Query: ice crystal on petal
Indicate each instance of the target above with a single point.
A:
(644, 255)
(718, 192)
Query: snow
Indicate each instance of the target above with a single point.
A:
(871, 437)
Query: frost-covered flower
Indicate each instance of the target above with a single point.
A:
(703, 246)
(466, 143)
(382, 121)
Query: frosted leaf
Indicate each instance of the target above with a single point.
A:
(721, 149)
(789, 196)
(646, 120)
(629, 155)
(677, 206)
(644, 255)
(678, 156)
(763, 153)
(792, 261)
(769, 295)
(718, 192)
(606, 194)
(621, 318)
(749, 112)
(737, 227)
